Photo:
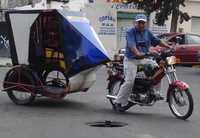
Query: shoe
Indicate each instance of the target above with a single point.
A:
(158, 96)
(118, 108)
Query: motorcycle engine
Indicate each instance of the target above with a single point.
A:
(142, 84)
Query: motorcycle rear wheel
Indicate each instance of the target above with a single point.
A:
(114, 90)
(179, 99)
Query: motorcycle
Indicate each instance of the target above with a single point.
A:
(149, 75)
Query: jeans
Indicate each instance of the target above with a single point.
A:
(130, 71)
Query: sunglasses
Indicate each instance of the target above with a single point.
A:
(141, 22)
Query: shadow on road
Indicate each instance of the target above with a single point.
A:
(58, 104)
(96, 110)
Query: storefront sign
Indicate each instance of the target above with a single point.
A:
(159, 29)
(119, 6)
(107, 25)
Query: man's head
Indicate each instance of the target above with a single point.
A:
(141, 20)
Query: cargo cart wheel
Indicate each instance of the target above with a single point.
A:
(55, 78)
(19, 95)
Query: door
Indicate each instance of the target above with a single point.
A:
(122, 26)
(195, 25)
(192, 48)
(125, 20)
(187, 48)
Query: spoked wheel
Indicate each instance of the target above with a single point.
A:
(21, 95)
(114, 90)
(181, 103)
(55, 78)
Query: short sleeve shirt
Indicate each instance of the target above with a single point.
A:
(141, 40)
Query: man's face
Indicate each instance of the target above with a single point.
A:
(141, 25)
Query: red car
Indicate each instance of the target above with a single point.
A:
(187, 47)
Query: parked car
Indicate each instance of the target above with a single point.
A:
(187, 47)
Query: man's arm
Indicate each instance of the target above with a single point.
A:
(164, 44)
(138, 54)
(156, 41)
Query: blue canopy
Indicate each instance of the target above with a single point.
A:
(57, 39)
(81, 44)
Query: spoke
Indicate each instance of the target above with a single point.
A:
(177, 105)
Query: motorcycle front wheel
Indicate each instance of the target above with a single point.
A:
(181, 103)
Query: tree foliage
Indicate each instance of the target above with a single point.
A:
(163, 9)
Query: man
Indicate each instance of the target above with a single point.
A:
(139, 40)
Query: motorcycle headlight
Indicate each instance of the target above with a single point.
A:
(171, 60)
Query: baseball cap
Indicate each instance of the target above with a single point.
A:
(141, 17)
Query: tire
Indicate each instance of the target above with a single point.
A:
(13, 94)
(114, 86)
(114, 90)
(64, 81)
(172, 107)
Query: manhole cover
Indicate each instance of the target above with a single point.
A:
(107, 124)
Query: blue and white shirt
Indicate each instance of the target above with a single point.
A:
(141, 40)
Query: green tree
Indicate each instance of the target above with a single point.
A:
(163, 9)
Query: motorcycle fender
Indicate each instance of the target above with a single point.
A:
(177, 84)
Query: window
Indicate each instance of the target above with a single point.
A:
(177, 40)
(192, 39)
(195, 25)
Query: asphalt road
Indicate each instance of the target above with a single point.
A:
(48, 118)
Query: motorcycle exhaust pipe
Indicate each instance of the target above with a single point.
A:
(111, 97)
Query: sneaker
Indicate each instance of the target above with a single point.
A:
(119, 108)
(158, 96)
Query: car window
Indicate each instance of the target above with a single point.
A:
(192, 39)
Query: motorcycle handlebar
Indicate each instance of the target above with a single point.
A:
(162, 55)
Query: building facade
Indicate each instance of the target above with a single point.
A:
(111, 19)
(193, 9)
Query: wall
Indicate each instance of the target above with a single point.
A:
(193, 9)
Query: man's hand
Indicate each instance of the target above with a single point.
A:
(140, 55)
(137, 53)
